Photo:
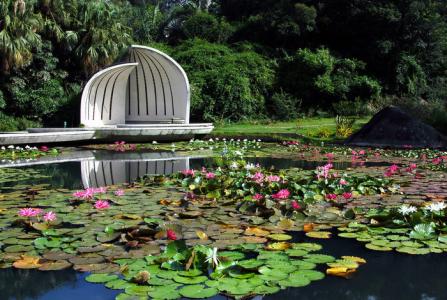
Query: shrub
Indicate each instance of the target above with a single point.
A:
(225, 84)
(344, 126)
(285, 106)
(319, 78)
(8, 123)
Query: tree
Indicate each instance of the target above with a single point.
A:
(101, 36)
(19, 33)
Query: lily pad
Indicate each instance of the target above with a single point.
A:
(198, 292)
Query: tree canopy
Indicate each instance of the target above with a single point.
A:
(246, 59)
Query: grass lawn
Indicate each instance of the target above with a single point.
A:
(313, 128)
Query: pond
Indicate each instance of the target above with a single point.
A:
(386, 275)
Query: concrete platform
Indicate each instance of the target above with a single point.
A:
(56, 136)
(122, 132)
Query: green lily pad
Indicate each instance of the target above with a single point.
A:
(319, 258)
(100, 278)
(164, 293)
(198, 292)
(190, 280)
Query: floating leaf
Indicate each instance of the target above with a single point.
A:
(198, 291)
(319, 234)
(27, 262)
(279, 237)
(100, 278)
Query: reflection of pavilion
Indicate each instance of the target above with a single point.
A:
(97, 173)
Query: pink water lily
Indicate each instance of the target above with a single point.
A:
(258, 197)
(282, 194)
(331, 196)
(210, 175)
(330, 156)
(29, 212)
(295, 205)
(189, 172)
(273, 178)
(347, 195)
(258, 177)
(49, 216)
(119, 193)
(343, 182)
(102, 204)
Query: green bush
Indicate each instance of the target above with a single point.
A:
(207, 27)
(8, 123)
(320, 79)
(285, 106)
(225, 84)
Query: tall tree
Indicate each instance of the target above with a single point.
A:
(19, 33)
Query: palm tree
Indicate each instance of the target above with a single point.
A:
(19, 33)
(101, 36)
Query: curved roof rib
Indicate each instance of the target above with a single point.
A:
(103, 98)
(158, 90)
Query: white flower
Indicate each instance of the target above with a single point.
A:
(238, 153)
(10, 147)
(250, 167)
(224, 139)
(407, 209)
(234, 165)
(3, 148)
(154, 142)
(217, 139)
(259, 140)
(27, 147)
(173, 145)
(210, 140)
(245, 140)
(436, 206)
(212, 257)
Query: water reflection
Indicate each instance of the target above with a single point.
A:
(116, 170)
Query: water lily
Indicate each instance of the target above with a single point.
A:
(29, 212)
(212, 257)
(295, 205)
(347, 195)
(343, 182)
(331, 196)
(119, 193)
(49, 216)
(282, 194)
(258, 177)
(407, 209)
(258, 197)
(234, 165)
(210, 175)
(188, 172)
(436, 206)
(273, 178)
(102, 204)
(170, 234)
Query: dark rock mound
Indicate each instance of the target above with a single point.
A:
(392, 127)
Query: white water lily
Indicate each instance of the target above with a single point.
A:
(212, 257)
(407, 209)
(10, 147)
(436, 206)
(234, 165)
(249, 167)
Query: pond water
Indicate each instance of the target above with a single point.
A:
(385, 276)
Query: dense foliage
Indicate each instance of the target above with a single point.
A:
(246, 59)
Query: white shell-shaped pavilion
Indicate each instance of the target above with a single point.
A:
(149, 88)
(146, 97)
